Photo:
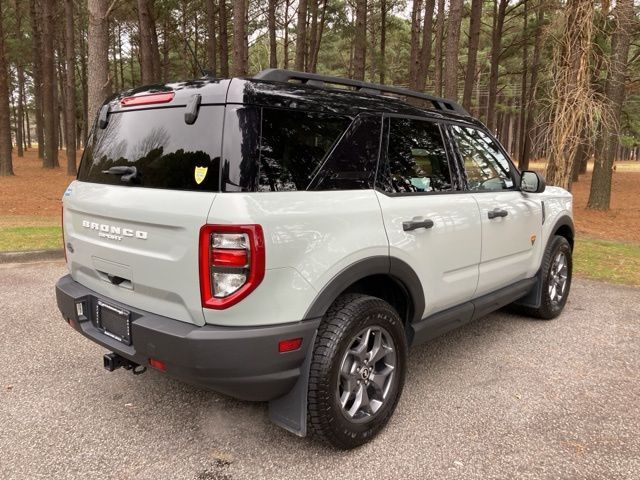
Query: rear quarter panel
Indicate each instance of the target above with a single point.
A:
(309, 238)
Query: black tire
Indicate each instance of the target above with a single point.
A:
(550, 309)
(350, 316)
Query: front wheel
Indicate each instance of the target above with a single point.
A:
(557, 266)
(357, 370)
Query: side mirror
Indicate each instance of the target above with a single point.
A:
(532, 182)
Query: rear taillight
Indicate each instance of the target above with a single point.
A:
(64, 244)
(231, 263)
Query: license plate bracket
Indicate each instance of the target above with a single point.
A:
(114, 322)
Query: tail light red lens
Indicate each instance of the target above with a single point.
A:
(232, 263)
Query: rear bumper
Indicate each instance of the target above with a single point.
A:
(241, 362)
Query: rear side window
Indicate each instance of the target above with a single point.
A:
(352, 163)
(416, 158)
(293, 144)
(165, 151)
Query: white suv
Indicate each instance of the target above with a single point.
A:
(286, 238)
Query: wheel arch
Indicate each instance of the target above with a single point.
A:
(384, 277)
(564, 227)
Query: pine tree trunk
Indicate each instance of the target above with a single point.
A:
(600, 193)
(360, 42)
(224, 40)
(36, 38)
(239, 34)
(144, 42)
(451, 50)
(49, 107)
(273, 41)
(6, 163)
(301, 35)
(529, 128)
(98, 81)
(285, 46)
(438, 49)
(522, 133)
(472, 55)
(316, 49)
(499, 12)
(414, 55)
(70, 61)
(383, 40)
(313, 34)
(211, 36)
(425, 51)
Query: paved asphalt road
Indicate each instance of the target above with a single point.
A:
(504, 397)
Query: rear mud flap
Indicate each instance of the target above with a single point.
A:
(290, 410)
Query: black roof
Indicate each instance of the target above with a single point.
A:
(289, 89)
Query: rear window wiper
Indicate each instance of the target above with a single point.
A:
(127, 173)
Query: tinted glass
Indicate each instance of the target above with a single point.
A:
(416, 158)
(352, 163)
(293, 144)
(241, 149)
(166, 152)
(486, 167)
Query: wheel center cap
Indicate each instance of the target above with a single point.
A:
(364, 373)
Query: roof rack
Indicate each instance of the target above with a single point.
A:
(321, 81)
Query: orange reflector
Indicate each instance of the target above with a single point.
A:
(158, 365)
(289, 345)
(163, 97)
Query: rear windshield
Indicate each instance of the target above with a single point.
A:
(165, 151)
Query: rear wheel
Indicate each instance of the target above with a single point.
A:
(357, 371)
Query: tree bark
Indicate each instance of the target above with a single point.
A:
(600, 193)
(49, 108)
(273, 41)
(316, 48)
(301, 35)
(451, 50)
(499, 11)
(529, 128)
(144, 42)
(239, 34)
(98, 81)
(70, 62)
(36, 38)
(20, 78)
(522, 117)
(383, 40)
(472, 55)
(6, 164)
(211, 36)
(414, 55)
(438, 49)
(224, 40)
(360, 42)
(425, 51)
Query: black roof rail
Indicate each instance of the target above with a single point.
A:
(317, 80)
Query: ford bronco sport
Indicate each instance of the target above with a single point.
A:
(287, 237)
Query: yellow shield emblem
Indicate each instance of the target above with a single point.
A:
(199, 174)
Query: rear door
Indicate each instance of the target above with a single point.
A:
(430, 224)
(132, 219)
(511, 220)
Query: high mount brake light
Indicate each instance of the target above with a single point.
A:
(232, 263)
(150, 99)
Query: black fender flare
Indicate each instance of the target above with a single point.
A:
(399, 270)
(563, 221)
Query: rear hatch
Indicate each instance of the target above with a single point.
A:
(145, 187)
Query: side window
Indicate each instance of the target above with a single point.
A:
(486, 167)
(352, 164)
(416, 158)
(293, 144)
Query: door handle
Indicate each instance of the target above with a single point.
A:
(414, 224)
(497, 212)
